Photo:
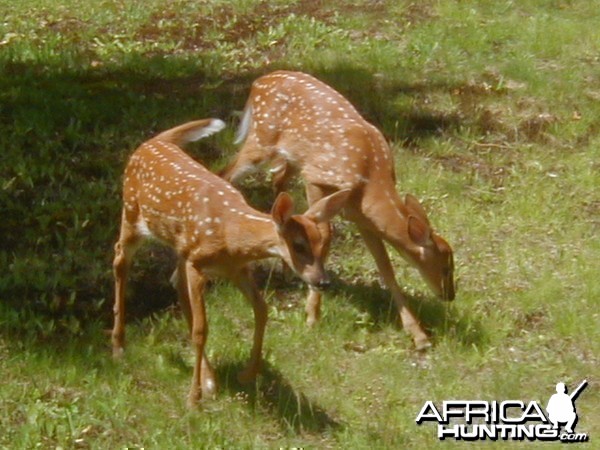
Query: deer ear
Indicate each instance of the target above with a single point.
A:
(283, 208)
(419, 232)
(415, 207)
(325, 209)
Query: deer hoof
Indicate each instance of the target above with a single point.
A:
(193, 400)
(209, 388)
(422, 343)
(311, 321)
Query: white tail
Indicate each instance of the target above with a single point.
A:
(301, 124)
(244, 128)
(169, 196)
(191, 131)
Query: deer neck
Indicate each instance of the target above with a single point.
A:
(254, 238)
(385, 208)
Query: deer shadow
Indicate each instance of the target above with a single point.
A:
(273, 394)
(437, 318)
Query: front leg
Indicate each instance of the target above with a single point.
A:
(180, 281)
(246, 284)
(313, 301)
(313, 306)
(195, 283)
(252, 155)
(281, 174)
(409, 321)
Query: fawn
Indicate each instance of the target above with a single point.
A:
(300, 124)
(169, 196)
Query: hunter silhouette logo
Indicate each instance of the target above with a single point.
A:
(472, 420)
(561, 406)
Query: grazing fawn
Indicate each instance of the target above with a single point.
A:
(169, 196)
(300, 124)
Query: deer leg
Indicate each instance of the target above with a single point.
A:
(281, 173)
(248, 159)
(195, 284)
(246, 284)
(124, 250)
(179, 279)
(313, 301)
(409, 322)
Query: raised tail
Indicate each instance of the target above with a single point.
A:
(190, 131)
(244, 128)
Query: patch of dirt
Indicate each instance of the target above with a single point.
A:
(417, 12)
(65, 26)
(225, 21)
(590, 209)
(480, 105)
(476, 166)
(529, 322)
(535, 126)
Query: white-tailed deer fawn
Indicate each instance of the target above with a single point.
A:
(169, 196)
(300, 124)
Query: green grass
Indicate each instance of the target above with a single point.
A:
(492, 109)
